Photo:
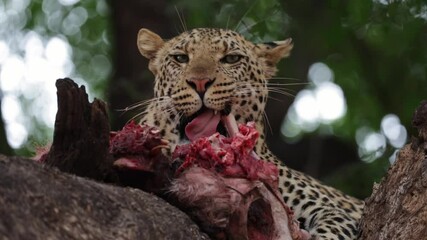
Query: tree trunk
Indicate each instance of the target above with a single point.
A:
(397, 208)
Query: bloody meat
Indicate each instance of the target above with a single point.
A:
(229, 156)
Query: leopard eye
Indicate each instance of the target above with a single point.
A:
(232, 58)
(181, 58)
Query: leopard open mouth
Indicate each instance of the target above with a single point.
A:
(204, 123)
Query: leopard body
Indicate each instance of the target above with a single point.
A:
(220, 70)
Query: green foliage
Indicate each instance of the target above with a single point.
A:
(384, 59)
(256, 20)
(87, 28)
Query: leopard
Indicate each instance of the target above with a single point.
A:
(214, 69)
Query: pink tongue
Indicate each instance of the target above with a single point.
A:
(203, 125)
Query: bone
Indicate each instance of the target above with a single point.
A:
(230, 124)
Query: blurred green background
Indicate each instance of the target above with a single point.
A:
(357, 72)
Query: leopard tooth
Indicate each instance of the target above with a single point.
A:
(216, 112)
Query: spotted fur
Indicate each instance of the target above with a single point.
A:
(240, 87)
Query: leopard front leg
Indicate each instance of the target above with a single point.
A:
(329, 223)
(324, 212)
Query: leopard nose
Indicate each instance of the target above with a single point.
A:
(200, 84)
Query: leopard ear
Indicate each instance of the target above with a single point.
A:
(273, 52)
(149, 43)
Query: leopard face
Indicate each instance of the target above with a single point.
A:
(213, 69)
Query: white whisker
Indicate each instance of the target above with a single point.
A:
(275, 99)
(287, 84)
(228, 21)
(256, 23)
(264, 115)
(143, 103)
(285, 78)
(134, 118)
(279, 91)
(244, 15)
(181, 19)
(142, 106)
(180, 115)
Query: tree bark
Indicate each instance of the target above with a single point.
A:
(39, 202)
(397, 208)
(81, 135)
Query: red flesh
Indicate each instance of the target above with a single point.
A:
(135, 146)
(230, 157)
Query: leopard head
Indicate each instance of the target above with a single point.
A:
(212, 69)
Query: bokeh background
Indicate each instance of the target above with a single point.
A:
(340, 108)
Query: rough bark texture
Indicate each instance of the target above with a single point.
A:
(81, 136)
(397, 208)
(39, 202)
